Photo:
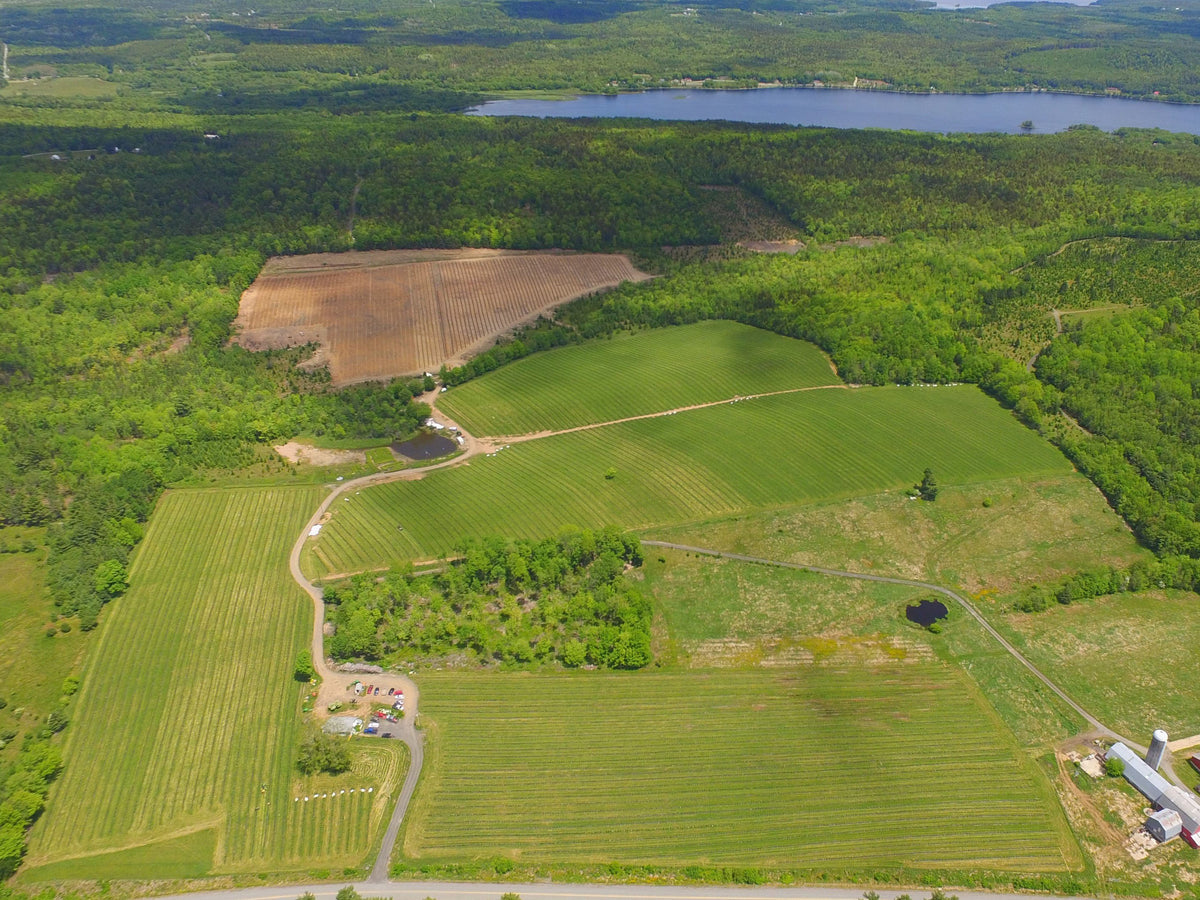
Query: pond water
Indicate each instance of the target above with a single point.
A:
(826, 107)
(926, 612)
(425, 446)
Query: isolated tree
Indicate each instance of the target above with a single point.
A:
(927, 489)
(304, 670)
(1114, 767)
(348, 893)
(320, 753)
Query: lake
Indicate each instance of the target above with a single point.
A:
(837, 108)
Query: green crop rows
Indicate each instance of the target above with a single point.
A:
(191, 712)
(634, 374)
(771, 452)
(818, 767)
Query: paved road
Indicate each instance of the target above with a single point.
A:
(442, 890)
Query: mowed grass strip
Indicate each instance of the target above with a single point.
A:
(634, 374)
(756, 454)
(189, 708)
(859, 768)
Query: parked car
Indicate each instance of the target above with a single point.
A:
(377, 691)
(386, 734)
(381, 715)
(1195, 762)
(391, 691)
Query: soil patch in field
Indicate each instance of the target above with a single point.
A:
(791, 247)
(295, 452)
(379, 314)
(926, 612)
(425, 446)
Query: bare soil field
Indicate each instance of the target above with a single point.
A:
(380, 314)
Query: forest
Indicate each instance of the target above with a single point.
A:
(561, 600)
(419, 56)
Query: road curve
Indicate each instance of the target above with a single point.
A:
(406, 730)
(451, 890)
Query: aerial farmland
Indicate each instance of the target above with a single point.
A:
(379, 315)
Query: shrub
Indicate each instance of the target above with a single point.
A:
(304, 670)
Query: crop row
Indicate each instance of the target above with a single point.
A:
(766, 453)
(190, 705)
(635, 374)
(898, 764)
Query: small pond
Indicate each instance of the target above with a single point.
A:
(926, 612)
(425, 446)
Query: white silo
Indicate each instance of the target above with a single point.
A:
(1158, 746)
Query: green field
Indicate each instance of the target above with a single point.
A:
(767, 453)
(813, 767)
(986, 538)
(1128, 658)
(634, 374)
(33, 665)
(719, 612)
(192, 716)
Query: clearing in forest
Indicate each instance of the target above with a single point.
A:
(713, 462)
(846, 767)
(406, 312)
(184, 763)
(634, 374)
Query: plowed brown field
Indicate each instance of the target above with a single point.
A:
(378, 315)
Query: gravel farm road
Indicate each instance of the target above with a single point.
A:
(448, 890)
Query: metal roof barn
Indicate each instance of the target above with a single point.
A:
(1185, 804)
(1141, 776)
(1164, 825)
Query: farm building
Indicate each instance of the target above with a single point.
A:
(1188, 807)
(1141, 776)
(1164, 825)
(342, 725)
(1161, 793)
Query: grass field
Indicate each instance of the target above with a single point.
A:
(33, 665)
(189, 714)
(768, 453)
(634, 374)
(720, 612)
(815, 767)
(1128, 658)
(985, 538)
